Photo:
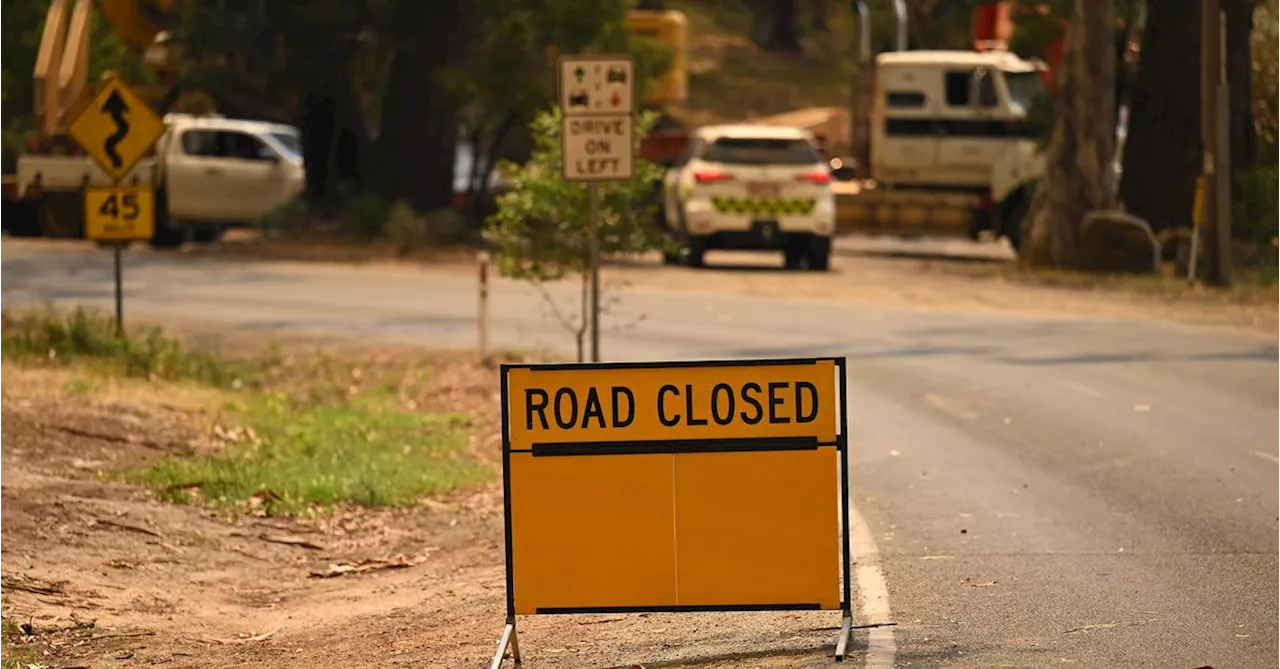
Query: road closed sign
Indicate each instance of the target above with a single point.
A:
(597, 104)
(681, 486)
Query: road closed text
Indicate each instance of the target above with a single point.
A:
(562, 405)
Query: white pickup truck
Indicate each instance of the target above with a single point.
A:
(208, 172)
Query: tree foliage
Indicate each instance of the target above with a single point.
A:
(1266, 79)
(540, 228)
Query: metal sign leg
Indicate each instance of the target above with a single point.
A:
(507, 640)
(119, 291)
(842, 643)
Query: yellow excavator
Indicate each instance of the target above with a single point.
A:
(61, 75)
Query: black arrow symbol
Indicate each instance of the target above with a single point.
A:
(116, 107)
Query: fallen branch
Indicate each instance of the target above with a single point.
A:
(100, 436)
(33, 585)
(1107, 626)
(360, 567)
(31, 630)
(290, 541)
(127, 526)
(258, 637)
(601, 622)
(120, 635)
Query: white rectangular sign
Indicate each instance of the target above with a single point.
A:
(597, 148)
(591, 84)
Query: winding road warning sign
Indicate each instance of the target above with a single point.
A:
(681, 486)
(117, 128)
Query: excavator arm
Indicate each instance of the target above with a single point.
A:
(61, 73)
(139, 22)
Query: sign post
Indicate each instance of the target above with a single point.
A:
(117, 128)
(675, 487)
(597, 143)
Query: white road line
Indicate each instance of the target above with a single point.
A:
(1266, 456)
(1080, 388)
(873, 593)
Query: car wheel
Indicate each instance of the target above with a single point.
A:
(820, 254)
(793, 254)
(696, 250)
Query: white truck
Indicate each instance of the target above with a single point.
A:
(947, 148)
(208, 172)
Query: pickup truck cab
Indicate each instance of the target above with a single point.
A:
(208, 172)
(219, 172)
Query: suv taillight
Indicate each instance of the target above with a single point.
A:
(711, 177)
(819, 178)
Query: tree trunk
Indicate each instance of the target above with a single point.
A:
(319, 130)
(1078, 176)
(1239, 46)
(418, 137)
(784, 33)
(1162, 150)
(818, 16)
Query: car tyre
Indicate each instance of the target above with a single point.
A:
(794, 253)
(820, 254)
(696, 250)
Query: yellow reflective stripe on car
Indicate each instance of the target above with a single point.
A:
(763, 206)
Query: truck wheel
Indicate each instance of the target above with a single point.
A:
(166, 235)
(207, 234)
(61, 215)
(697, 250)
(1011, 223)
(820, 254)
(21, 219)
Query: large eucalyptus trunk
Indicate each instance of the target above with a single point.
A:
(1078, 163)
(418, 133)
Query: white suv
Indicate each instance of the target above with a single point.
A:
(751, 187)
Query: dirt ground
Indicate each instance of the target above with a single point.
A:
(104, 575)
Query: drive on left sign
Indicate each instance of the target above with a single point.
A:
(117, 128)
(598, 148)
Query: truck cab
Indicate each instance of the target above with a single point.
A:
(227, 171)
(946, 119)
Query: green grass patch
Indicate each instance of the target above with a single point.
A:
(301, 456)
(16, 654)
(309, 431)
(88, 336)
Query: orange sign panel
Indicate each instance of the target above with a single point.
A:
(674, 486)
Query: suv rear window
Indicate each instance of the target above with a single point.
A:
(738, 151)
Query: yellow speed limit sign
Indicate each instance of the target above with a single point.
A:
(119, 214)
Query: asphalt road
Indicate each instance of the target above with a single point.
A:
(1043, 491)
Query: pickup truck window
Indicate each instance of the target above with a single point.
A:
(200, 143)
(225, 144)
